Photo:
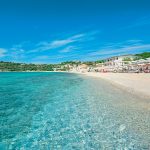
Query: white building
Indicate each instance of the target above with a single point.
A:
(118, 63)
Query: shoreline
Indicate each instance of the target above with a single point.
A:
(136, 84)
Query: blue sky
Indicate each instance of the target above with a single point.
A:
(52, 31)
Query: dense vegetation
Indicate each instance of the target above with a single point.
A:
(10, 66)
(143, 55)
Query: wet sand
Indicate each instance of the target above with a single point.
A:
(138, 84)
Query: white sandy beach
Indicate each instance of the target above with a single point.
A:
(134, 83)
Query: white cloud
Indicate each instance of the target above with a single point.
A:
(63, 47)
(59, 43)
(67, 49)
(77, 36)
(43, 46)
(118, 48)
(2, 52)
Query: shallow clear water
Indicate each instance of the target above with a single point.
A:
(68, 111)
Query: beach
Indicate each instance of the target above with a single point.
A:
(138, 84)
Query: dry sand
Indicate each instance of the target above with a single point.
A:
(135, 83)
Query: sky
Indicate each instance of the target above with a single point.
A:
(54, 31)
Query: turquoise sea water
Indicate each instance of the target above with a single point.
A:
(62, 111)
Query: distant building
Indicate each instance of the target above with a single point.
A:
(117, 63)
(125, 63)
(83, 68)
(118, 60)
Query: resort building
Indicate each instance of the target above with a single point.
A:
(121, 64)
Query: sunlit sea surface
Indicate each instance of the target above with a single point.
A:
(62, 111)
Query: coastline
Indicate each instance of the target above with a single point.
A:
(137, 84)
(134, 83)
